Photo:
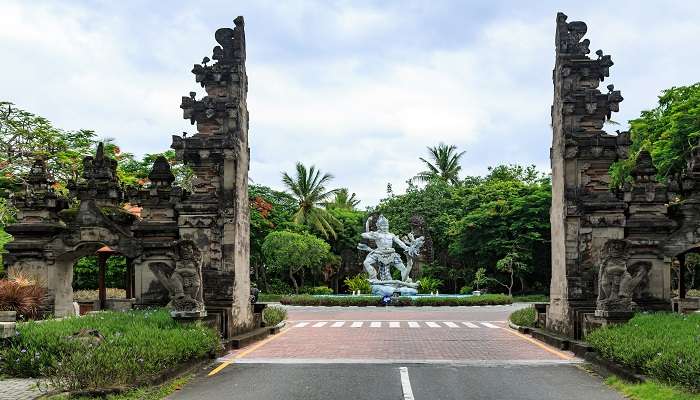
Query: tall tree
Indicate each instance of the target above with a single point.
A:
(308, 187)
(443, 164)
(343, 200)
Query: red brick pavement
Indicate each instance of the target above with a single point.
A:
(400, 344)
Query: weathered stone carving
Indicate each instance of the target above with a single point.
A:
(617, 282)
(385, 257)
(185, 284)
(210, 224)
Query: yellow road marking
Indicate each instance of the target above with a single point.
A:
(539, 344)
(247, 351)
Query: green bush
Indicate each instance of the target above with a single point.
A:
(524, 317)
(308, 300)
(317, 290)
(665, 347)
(483, 300)
(531, 298)
(359, 282)
(278, 286)
(273, 315)
(466, 289)
(428, 284)
(137, 346)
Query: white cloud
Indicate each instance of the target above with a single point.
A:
(358, 90)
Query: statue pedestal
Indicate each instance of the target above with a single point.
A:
(188, 316)
(389, 290)
(602, 318)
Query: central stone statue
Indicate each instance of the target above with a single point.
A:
(385, 257)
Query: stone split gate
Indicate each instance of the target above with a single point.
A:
(52, 231)
(611, 250)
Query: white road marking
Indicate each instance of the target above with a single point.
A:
(301, 324)
(394, 324)
(319, 324)
(375, 324)
(470, 325)
(492, 326)
(356, 324)
(413, 324)
(432, 324)
(338, 324)
(406, 384)
(451, 324)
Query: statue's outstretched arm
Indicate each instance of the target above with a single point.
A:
(400, 243)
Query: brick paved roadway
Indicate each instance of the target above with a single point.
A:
(464, 353)
(411, 334)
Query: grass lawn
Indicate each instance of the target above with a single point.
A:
(112, 349)
(662, 346)
(650, 390)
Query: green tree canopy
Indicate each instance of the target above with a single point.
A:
(669, 132)
(294, 253)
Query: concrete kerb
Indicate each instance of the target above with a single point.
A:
(603, 367)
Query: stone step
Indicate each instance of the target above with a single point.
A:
(247, 338)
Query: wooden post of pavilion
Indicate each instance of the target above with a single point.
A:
(103, 255)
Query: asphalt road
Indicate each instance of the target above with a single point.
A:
(361, 353)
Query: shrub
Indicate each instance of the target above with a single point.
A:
(137, 346)
(278, 286)
(524, 317)
(273, 315)
(531, 298)
(466, 289)
(662, 346)
(24, 297)
(359, 282)
(307, 300)
(319, 290)
(428, 284)
(483, 300)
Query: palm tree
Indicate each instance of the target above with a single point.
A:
(308, 187)
(343, 200)
(445, 164)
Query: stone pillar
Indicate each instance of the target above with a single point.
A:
(216, 214)
(585, 213)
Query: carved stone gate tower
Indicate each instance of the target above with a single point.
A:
(52, 232)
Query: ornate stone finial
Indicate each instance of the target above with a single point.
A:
(161, 174)
(38, 176)
(569, 35)
(644, 170)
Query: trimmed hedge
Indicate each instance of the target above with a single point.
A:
(524, 317)
(663, 346)
(134, 347)
(307, 300)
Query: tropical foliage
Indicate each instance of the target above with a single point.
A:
(308, 187)
(443, 164)
(669, 132)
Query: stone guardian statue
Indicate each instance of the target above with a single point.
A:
(385, 257)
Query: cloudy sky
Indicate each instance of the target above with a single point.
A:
(357, 88)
